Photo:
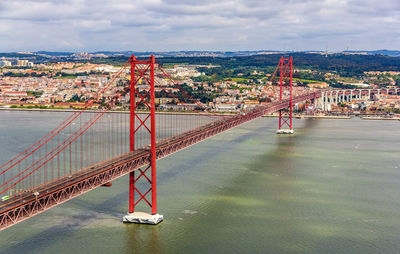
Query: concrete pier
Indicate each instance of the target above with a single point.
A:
(284, 131)
(143, 218)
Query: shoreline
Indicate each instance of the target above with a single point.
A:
(315, 117)
(379, 118)
(339, 117)
(114, 111)
(196, 113)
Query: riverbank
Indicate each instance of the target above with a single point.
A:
(196, 113)
(339, 117)
(379, 118)
(323, 117)
(116, 111)
(313, 116)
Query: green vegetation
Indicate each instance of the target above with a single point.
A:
(37, 107)
(307, 81)
(171, 65)
(240, 80)
(203, 78)
(200, 94)
(67, 76)
(76, 98)
(18, 74)
(342, 68)
(29, 106)
(34, 93)
(117, 61)
(344, 65)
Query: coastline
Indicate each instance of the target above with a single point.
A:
(313, 116)
(196, 113)
(339, 117)
(114, 111)
(379, 118)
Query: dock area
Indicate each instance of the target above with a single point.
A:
(312, 116)
(379, 118)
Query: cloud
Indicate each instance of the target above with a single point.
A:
(155, 25)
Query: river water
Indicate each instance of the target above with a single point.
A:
(333, 187)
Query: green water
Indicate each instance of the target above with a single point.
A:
(333, 187)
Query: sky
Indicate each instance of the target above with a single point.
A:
(215, 25)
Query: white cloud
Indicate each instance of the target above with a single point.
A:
(198, 25)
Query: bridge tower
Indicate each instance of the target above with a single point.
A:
(143, 182)
(285, 67)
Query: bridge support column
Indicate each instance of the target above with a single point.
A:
(322, 101)
(285, 115)
(314, 103)
(326, 101)
(147, 177)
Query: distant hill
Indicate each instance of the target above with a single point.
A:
(193, 53)
(384, 52)
(50, 53)
(15, 55)
(343, 63)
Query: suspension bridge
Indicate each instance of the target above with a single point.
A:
(91, 148)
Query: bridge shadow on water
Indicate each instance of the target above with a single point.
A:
(135, 234)
(288, 220)
(280, 160)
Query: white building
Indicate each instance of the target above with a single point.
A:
(22, 63)
(5, 63)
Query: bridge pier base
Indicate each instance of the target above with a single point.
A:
(284, 131)
(143, 218)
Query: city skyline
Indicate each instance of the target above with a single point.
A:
(170, 25)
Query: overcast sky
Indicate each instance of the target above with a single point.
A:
(166, 25)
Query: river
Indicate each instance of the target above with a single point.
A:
(333, 187)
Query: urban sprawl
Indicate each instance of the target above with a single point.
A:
(69, 84)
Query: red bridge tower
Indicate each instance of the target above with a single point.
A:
(142, 183)
(286, 75)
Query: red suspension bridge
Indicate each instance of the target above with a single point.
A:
(92, 148)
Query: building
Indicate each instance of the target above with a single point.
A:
(5, 63)
(226, 107)
(22, 63)
(321, 85)
(179, 107)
